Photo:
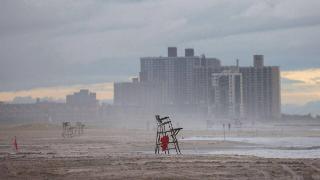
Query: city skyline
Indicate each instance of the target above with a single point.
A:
(202, 86)
(54, 48)
(307, 78)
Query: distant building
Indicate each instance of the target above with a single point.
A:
(81, 106)
(184, 80)
(137, 94)
(226, 95)
(192, 84)
(82, 98)
(261, 90)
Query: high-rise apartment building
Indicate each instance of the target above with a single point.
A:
(261, 90)
(185, 79)
(197, 82)
(226, 95)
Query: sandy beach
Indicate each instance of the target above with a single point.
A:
(105, 153)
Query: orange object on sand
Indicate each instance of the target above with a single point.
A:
(15, 143)
(164, 142)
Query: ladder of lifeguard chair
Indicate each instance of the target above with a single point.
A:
(175, 141)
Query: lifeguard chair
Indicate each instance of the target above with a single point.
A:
(67, 130)
(166, 139)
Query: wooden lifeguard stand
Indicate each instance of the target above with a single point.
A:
(69, 131)
(166, 139)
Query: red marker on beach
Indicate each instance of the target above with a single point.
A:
(164, 142)
(15, 144)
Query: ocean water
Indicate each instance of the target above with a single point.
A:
(268, 147)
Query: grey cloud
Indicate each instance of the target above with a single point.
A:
(290, 81)
(55, 74)
(54, 42)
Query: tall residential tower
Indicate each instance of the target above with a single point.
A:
(197, 84)
(184, 79)
(261, 90)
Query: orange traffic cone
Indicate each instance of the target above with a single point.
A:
(15, 143)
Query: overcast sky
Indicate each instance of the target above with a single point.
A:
(60, 43)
